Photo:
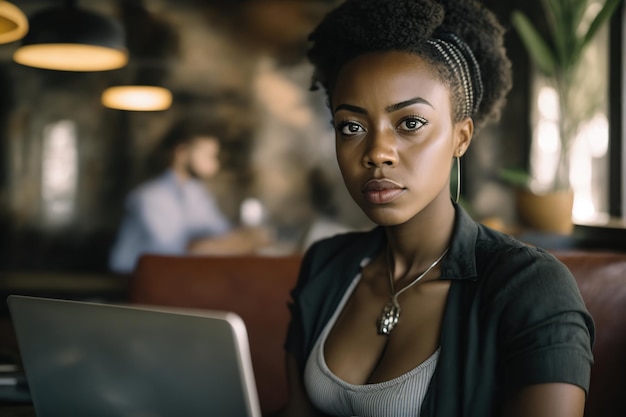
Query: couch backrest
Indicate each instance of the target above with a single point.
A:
(601, 277)
(255, 287)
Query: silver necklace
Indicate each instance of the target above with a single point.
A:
(391, 312)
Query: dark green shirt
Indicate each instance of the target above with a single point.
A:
(513, 317)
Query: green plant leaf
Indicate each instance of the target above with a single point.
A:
(605, 14)
(554, 11)
(564, 18)
(536, 46)
(515, 177)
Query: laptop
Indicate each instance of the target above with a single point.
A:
(96, 359)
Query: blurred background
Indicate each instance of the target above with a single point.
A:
(67, 161)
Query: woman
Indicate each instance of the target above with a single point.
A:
(429, 314)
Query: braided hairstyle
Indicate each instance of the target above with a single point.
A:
(358, 27)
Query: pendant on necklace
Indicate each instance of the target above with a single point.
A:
(389, 317)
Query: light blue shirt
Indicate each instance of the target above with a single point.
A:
(163, 216)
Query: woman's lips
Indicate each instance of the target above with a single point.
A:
(382, 191)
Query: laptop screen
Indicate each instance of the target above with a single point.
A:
(96, 359)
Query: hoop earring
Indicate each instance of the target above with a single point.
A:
(458, 178)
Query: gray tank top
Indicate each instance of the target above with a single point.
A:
(399, 397)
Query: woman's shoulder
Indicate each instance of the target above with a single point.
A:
(483, 253)
(494, 246)
(513, 268)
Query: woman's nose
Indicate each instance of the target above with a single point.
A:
(381, 150)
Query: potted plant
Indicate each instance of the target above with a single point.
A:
(558, 56)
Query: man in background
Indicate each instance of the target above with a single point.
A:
(175, 213)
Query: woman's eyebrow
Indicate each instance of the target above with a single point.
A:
(351, 108)
(389, 109)
(406, 103)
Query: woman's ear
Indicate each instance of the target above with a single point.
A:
(464, 130)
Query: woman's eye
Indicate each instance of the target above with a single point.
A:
(412, 123)
(350, 128)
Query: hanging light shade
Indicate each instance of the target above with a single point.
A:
(13, 23)
(137, 98)
(73, 39)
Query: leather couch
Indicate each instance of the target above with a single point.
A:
(257, 288)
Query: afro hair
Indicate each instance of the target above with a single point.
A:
(357, 27)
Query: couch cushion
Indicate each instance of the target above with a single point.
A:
(255, 287)
(601, 277)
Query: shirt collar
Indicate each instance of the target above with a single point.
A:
(460, 262)
(170, 175)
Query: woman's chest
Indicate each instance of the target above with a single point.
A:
(358, 354)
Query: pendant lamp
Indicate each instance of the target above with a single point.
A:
(137, 98)
(13, 23)
(68, 38)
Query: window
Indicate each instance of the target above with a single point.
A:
(59, 172)
(589, 153)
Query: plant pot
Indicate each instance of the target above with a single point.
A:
(550, 212)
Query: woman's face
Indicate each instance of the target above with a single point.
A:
(395, 138)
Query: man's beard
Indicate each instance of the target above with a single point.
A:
(191, 171)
